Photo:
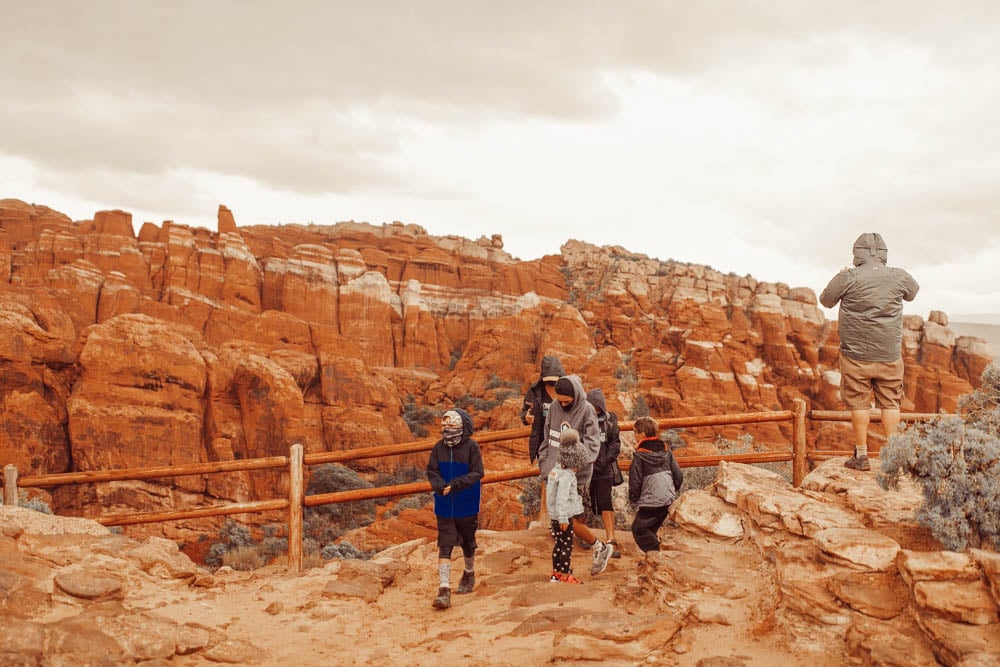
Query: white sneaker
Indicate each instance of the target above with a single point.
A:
(602, 554)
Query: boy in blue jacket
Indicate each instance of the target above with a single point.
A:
(454, 470)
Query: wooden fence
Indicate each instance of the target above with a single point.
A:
(798, 454)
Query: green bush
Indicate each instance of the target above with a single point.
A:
(956, 463)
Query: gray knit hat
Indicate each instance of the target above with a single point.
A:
(572, 455)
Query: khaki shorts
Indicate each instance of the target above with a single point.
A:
(858, 379)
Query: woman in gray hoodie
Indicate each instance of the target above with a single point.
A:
(571, 410)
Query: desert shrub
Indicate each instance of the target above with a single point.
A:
(703, 476)
(412, 502)
(672, 439)
(244, 558)
(344, 550)
(232, 535)
(955, 464)
(417, 417)
(628, 379)
(639, 409)
(981, 408)
(271, 547)
(531, 496)
(474, 404)
(317, 527)
(332, 477)
(35, 503)
(401, 475)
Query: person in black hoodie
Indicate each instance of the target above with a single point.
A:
(537, 400)
(455, 471)
(653, 482)
(600, 482)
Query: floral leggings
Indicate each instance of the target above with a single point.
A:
(562, 550)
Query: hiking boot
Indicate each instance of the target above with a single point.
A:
(443, 600)
(468, 582)
(602, 553)
(858, 463)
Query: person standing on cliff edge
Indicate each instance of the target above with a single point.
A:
(870, 323)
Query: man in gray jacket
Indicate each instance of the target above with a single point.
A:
(871, 298)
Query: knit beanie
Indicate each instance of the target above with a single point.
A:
(572, 456)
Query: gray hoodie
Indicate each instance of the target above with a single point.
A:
(580, 416)
(871, 298)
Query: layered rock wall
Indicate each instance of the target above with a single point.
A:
(178, 344)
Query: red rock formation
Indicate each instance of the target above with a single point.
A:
(180, 344)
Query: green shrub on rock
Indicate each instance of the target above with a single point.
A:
(956, 463)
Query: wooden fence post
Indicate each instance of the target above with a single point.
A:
(295, 509)
(799, 465)
(10, 485)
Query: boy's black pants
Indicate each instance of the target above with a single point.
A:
(646, 524)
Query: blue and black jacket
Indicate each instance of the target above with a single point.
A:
(461, 467)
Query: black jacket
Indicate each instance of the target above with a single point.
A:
(611, 444)
(536, 402)
(461, 467)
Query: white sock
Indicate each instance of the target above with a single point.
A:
(444, 574)
(861, 451)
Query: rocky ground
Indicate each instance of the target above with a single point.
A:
(757, 573)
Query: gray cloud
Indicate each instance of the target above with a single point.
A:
(844, 116)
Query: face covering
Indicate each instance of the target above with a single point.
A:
(451, 436)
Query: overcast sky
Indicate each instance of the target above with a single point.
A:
(757, 137)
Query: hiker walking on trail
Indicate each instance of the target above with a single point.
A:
(455, 471)
(564, 503)
(654, 480)
(870, 324)
(601, 481)
(570, 410)
(535, 409)
(537, 400)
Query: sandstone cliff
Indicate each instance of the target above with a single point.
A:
(178, 344)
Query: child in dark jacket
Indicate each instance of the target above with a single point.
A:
(653, 482)
(454, 470)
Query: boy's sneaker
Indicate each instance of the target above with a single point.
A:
(570, 579)
(443, 600)
(858, 463)
(602, 554)
(467, 584)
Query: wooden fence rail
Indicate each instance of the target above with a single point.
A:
(295, 462)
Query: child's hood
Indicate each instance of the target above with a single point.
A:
(467, 427)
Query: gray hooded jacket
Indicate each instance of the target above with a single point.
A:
(580, 416)
(871, 302)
